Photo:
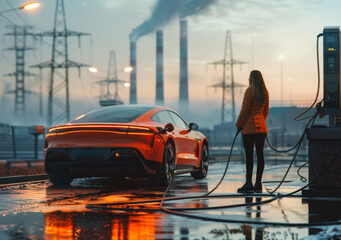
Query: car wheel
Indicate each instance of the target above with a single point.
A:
(165, 173)
(203, 169)
(60, 179)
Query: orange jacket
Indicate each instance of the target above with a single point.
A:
(252, 116)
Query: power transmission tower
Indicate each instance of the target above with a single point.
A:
(106, 97)
(60, 60)
(20, 34)
(228, 106)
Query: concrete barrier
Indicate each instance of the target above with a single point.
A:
(17, 164)
(35, 164)
(21, 167)
(3, 165)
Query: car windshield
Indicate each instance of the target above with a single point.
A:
(118, 114)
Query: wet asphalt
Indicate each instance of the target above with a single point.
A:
(98, 208)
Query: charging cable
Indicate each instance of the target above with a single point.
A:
(297, 118)
(178, 211)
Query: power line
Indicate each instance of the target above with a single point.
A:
(6, 20)
(59, 60)
(24, 21)
(18, 14)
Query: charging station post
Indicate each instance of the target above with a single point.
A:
(325, 141)
(331, 73)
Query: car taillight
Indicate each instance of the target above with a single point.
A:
(140, 130)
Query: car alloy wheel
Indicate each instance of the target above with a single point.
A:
(164, 174)
(169, 162)
(204, 161)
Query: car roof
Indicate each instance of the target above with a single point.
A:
(146, 111)
(147, 115)
(133, 106)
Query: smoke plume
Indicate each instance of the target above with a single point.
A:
(164, 11)
(194, 7)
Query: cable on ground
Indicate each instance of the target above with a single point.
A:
(178, 211)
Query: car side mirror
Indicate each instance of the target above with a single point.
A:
(193, 126)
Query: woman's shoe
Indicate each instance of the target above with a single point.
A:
(247, 188)
(258, 188)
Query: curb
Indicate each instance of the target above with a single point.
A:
(22, 179)
(13, 168)
(29, 164)
(3, 164)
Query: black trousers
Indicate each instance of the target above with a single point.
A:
(249, 141)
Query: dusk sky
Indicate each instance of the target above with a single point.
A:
(262, 30)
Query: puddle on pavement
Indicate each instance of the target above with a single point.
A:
(70, 219)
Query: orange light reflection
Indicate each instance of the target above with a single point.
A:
(58, 227)
(90, 225)
(141, 128)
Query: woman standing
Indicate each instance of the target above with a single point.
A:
(255, 109)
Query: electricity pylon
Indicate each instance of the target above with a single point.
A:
(106, 97)
(20, 34)
(60, 60)
(228, 106)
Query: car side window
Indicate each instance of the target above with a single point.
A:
(156, 118)
(162, 117)
(178, 122)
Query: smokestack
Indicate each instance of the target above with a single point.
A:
(133, 97)
(159, 68)
(183, 96)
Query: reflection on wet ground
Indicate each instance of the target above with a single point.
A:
(42, 211)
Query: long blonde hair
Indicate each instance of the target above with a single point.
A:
(259, 91)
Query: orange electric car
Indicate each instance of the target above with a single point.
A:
(126, 141)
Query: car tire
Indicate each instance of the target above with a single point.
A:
(164, 175)
(118, 181)
(60, 179)
(203, 169)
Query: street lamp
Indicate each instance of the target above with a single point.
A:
(290, 88)
(93, 69)
(281, 58)
(126, 69)
(28, 6)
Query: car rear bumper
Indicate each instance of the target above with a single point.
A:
(93, 162)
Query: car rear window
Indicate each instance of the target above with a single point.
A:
(118, 114)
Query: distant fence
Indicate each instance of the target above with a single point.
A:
(17, 143)
(223, 137)
(292, 103)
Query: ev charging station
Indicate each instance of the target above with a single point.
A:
(325, 141)
(331, 73)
